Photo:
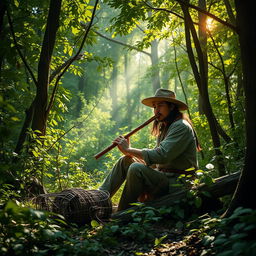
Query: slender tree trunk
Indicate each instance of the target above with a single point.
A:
(226, 83)
(155, 62)
(81, 87)
(113, 90)
(23, 134)
(201, 78)
(239, 89)
(165, 75)
(128, 89)
(246, 189)
(180, 80)
(41, 100)
(2, 14)
(230, 13)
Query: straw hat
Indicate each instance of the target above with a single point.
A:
(164, 95)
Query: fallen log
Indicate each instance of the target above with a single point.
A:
(222, 186)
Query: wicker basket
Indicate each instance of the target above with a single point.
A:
(78, 205)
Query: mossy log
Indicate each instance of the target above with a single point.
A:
(222, 186)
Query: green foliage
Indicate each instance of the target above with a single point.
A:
(27, 231)
(234, 235)
(84, 120)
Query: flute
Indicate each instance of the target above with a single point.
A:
(113, 145)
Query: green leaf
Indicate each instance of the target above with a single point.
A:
(95, 224)
(35, 153)
(12, 206)
(208, 239)
(158, 241)
(75, 31)
(16, 2)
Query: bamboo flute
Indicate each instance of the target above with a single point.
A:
(113, 145)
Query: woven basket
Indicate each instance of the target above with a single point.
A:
(78, 205)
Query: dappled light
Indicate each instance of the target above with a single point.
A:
(210, 25)
(127, 128)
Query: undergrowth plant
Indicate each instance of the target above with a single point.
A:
(230, 236)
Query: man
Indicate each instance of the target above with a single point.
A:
(151, 171)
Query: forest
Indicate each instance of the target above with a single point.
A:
(73, 74)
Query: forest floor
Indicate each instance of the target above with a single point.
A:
(175, 242)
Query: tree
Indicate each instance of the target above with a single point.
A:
(245, 191)
(38, 112)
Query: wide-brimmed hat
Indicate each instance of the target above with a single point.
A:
(164, 95)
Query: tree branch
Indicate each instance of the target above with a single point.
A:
(163, 9)
(234, 28)
(58, 69)
(208, 14)
(72, 59)
(121, 43)
(18, 49)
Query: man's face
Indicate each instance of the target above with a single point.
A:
(162, 109)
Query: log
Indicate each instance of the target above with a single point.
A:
(222, 186)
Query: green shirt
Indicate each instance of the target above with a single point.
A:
(177, 150)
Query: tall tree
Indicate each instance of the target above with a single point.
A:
(200, 72)
(40, 104)
(244, 194)
(38, 112)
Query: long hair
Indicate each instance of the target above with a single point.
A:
(159, 129)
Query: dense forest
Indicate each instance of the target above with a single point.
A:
(72, 77)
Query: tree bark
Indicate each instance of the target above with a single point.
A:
(41, 100)
(245, 192)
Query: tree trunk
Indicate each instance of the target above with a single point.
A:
(113, 91)
(41, 100)
(23, 134)
(230, 13)
(81, 86)
(222, 186)
(155, 68)
(201, 77)
(128, 96)
(245, 193)
(2, 13)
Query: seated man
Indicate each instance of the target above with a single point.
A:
(151, 171)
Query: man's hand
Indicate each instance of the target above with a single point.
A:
(123, 144)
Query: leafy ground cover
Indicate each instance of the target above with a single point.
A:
(26, 231)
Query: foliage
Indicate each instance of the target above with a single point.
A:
(234, 235)
(28, 231)
(84, 119)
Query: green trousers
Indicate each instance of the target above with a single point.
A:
(139, 179)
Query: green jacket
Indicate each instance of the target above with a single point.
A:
(176, 151)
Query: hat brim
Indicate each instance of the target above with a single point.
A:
(150, 101)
